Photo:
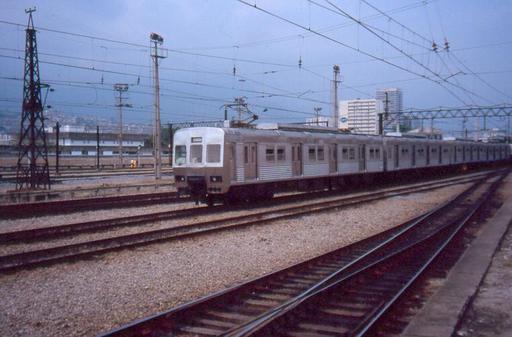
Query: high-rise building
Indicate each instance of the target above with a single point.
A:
(360, 115)
(394, 105)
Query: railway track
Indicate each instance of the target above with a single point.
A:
(30, 209)
(9, 211)
(342, 293)
(68, 252)
(53, 232)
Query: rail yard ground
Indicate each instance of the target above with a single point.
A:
(87, 297)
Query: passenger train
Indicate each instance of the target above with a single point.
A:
(227, 164)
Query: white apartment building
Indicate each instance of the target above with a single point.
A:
(360, 115)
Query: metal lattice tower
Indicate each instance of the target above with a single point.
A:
(32, 169)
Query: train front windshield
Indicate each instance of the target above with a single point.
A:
(181, 155)
(213, 154)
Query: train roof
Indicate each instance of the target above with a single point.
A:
(253, 134)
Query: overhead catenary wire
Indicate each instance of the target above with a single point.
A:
(415, 33)
(269, 107)
(441, 79)
(352, 48)
(138, 45)
(201, 84)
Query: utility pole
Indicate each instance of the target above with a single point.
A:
(97, 147)
(156, 40)
(121, 88)
(464, 129)
(57, 149)
(317, 114)
(171, 135)
(508, 128)
(32, 170)
(335, 108)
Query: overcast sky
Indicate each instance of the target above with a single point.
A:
(264, 51)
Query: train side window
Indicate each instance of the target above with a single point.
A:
(270, 154)
(351, 153)
(213, 153)
(180, 156)
(320, 153)
(196, 154)
(281, 154)
(344, 153)
(312, 153)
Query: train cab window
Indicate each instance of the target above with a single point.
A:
(270, 154)
(312, 153)
(213, 153)
(320, 154)
(281, 154)
(180, 157)
(196, 154)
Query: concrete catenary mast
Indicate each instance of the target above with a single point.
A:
(156, 40)
(335, 103)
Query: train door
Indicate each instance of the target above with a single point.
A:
(440, 161)
(362, 158)
(250, 156)
(413, 156)
(231, 152)
(428, 155)
(333, 158)
(385, 158)
(297, 159)
(397, 156)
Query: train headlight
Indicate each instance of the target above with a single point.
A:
(179, 178)
(216, 179)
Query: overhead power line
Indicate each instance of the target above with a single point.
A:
(201, 84)
(441, 79)
(350, 47)
(138, 45)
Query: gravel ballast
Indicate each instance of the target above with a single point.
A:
(92, 296)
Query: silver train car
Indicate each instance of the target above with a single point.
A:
(221, 164)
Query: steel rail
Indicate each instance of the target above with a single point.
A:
(52, 232)
(16, 210)
(95, 247)
(159, 320)
(65, 206)
(328, 284)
